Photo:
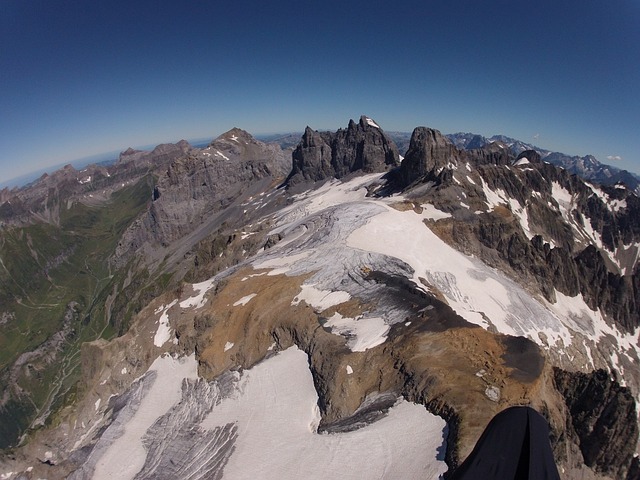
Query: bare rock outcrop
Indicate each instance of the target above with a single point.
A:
(602, 415)
(196, 186)
(429, 152)
(362, 146)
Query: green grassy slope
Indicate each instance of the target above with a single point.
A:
(53, 285)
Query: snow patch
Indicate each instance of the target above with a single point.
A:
(163, 334)
(276, 400)
(371, 122)
(349, 370)
(361, 333)
(320, 300)
(198, 301)
(228, 346)
(495, 197)
(220, 154)
(432, 213)
(492, 393)
(244, 300)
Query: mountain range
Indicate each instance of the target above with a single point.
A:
(350, 303)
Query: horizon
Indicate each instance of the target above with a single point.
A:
(86, 78)
(112, 155)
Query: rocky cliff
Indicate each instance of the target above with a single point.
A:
(603, 417)
(362, 146)
(429, 153)
(194, 188)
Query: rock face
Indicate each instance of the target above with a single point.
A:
(429, 152)
(530, 155)
(362, 146)
(603, 416)
(195, 186)
(494, 153)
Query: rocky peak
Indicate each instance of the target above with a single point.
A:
(429, 152)
(477, 141)
(236, 135)
(129, 151)
(494, 153)
(237, 145)
(362, 146)
(167, 148)
(528, 156)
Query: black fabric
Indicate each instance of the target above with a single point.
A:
(514, 446)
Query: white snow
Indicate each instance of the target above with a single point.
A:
(362, 333)
(228, 346)
(612, 204)
(244, 279)
(564, 199)
(275, 408)
(332, 193)
(522, 161)
(163, 334)
(349, 370)
(371, 122)
(244, 300)
(126, 456)
(7, 475)
(494, 197)
(433, 213)
(320, 300)
(97, 404)
(123, 371)
(220, 154)
(198, 301)
(492, 393)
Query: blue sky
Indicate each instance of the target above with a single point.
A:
(79, 78)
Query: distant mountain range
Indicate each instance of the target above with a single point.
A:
(587, 167)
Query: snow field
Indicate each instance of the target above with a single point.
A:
(362, 333)
(478, 292)
(472, 289)
(163, 334)
(275, 408)
(125, 457)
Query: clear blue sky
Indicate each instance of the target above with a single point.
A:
(83, 77)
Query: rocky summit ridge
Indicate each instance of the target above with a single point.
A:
(362, 146)
(465, 280)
